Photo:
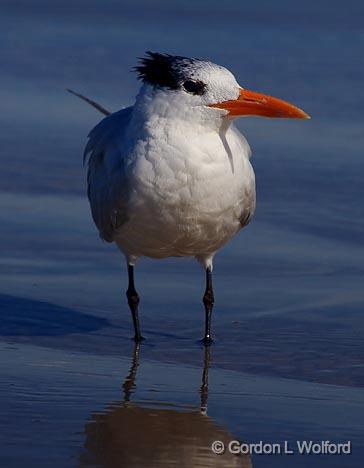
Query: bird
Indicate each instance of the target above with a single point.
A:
(170, 176)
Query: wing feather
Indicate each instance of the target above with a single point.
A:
(107, 186)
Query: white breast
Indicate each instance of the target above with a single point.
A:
(190, 190)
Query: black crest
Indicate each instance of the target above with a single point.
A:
(165, 70)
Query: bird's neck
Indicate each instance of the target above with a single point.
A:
(156, 108)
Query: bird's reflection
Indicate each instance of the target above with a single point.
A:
(130, 434)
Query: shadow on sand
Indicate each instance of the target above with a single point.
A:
(28, 317)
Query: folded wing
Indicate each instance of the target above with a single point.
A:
(107, 185)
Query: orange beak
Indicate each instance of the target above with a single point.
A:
(252, 103)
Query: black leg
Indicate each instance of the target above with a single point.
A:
(208, 300)
(133, 301)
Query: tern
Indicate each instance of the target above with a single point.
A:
(171, 176)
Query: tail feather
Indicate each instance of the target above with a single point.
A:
(91, 102)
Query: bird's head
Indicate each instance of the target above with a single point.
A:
(186, 86)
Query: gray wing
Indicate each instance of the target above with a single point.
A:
(106, 179)
(248, 208)
(246, 216)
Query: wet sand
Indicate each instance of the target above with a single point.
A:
(66, 408)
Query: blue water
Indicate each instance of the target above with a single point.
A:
(289, 294)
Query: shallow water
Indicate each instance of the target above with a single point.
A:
(287, 363)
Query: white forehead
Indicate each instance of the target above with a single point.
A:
(221, 84)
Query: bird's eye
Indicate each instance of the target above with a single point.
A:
(194, 87)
